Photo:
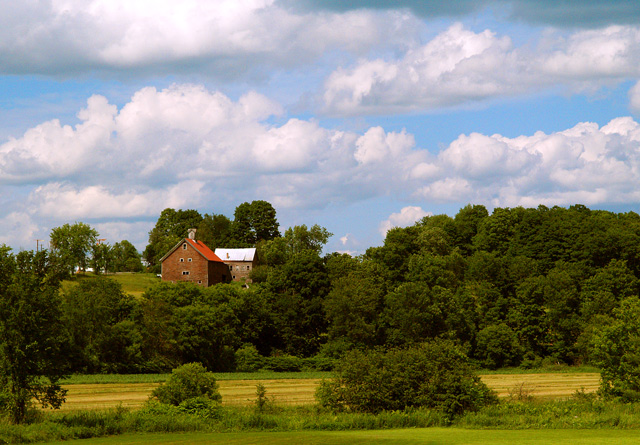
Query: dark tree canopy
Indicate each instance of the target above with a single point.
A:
(215, 231)
(171, 227)
(255, 221)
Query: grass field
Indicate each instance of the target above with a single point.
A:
(132, 283)
(300, 391)
(431, 436)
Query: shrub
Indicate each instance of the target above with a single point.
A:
(432, 375)
(498, 347)
(283, 363)
(201, 406)
(318, 363)
(248, 359)
(187, 382)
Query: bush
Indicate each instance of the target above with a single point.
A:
(318, 363)
(248, 359)
(187, 382)
(283, 363)
(432, 375)
(201, 406)
(498, 347)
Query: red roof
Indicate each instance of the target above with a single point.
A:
(204, 250)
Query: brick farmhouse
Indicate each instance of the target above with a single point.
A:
(193, 261)
(240, 261)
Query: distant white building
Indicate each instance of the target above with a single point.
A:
(240, 261)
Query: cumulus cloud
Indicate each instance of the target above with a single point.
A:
(97, 202)
(222, 38)
(584, 164)
(20, 230)
(188, 147)
(460, 66)
(406, 217)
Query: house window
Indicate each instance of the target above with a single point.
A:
(182, 260)
(248, 267)
(190, 259)
(230, 267)
(184, 246)
(237, 267)
(234, 277)
(185, 272)
(199, 281)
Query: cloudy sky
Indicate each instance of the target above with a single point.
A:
(357, 117)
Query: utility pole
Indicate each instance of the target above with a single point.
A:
(38, 244)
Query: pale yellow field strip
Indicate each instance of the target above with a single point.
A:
(299, 392)
(543, 386)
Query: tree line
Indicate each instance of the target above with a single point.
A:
(517, 287)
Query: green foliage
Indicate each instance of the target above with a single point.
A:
(283, 363)
(215, 231)
(206, 334)
(73, 244)
(102, 259)
(415, 313)
(125, 257)
(255, 221)
(248, 359)
(32, 355)
(353, 308)
(188, 382)
(498, 346)
(201, 406)
(551, 277)
(171, 227)
(616, 351)
(263, 402)
(433, 375)
(296, 240)
(103, 336)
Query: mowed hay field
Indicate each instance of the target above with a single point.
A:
(543, 386)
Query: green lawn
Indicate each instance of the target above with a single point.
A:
(132, 283)
(431, 436)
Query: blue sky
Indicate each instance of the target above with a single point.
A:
(358, 116)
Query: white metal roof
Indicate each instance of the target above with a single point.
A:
(236, 254)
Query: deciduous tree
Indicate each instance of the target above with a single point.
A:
(73, 244)
(32, 358)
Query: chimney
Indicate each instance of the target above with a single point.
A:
(192, 234)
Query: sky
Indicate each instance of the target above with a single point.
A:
(358, 116)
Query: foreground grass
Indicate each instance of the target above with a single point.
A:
(583, 419)
(432, 436)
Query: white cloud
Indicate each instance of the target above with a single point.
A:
(224, 38)
(634, 98)
(126, 165)
(53, 150)
(460, 66)
(96, 202)
(18, 229)
(584, 164)
(406, 217)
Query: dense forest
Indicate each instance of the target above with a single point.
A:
(518, 287)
